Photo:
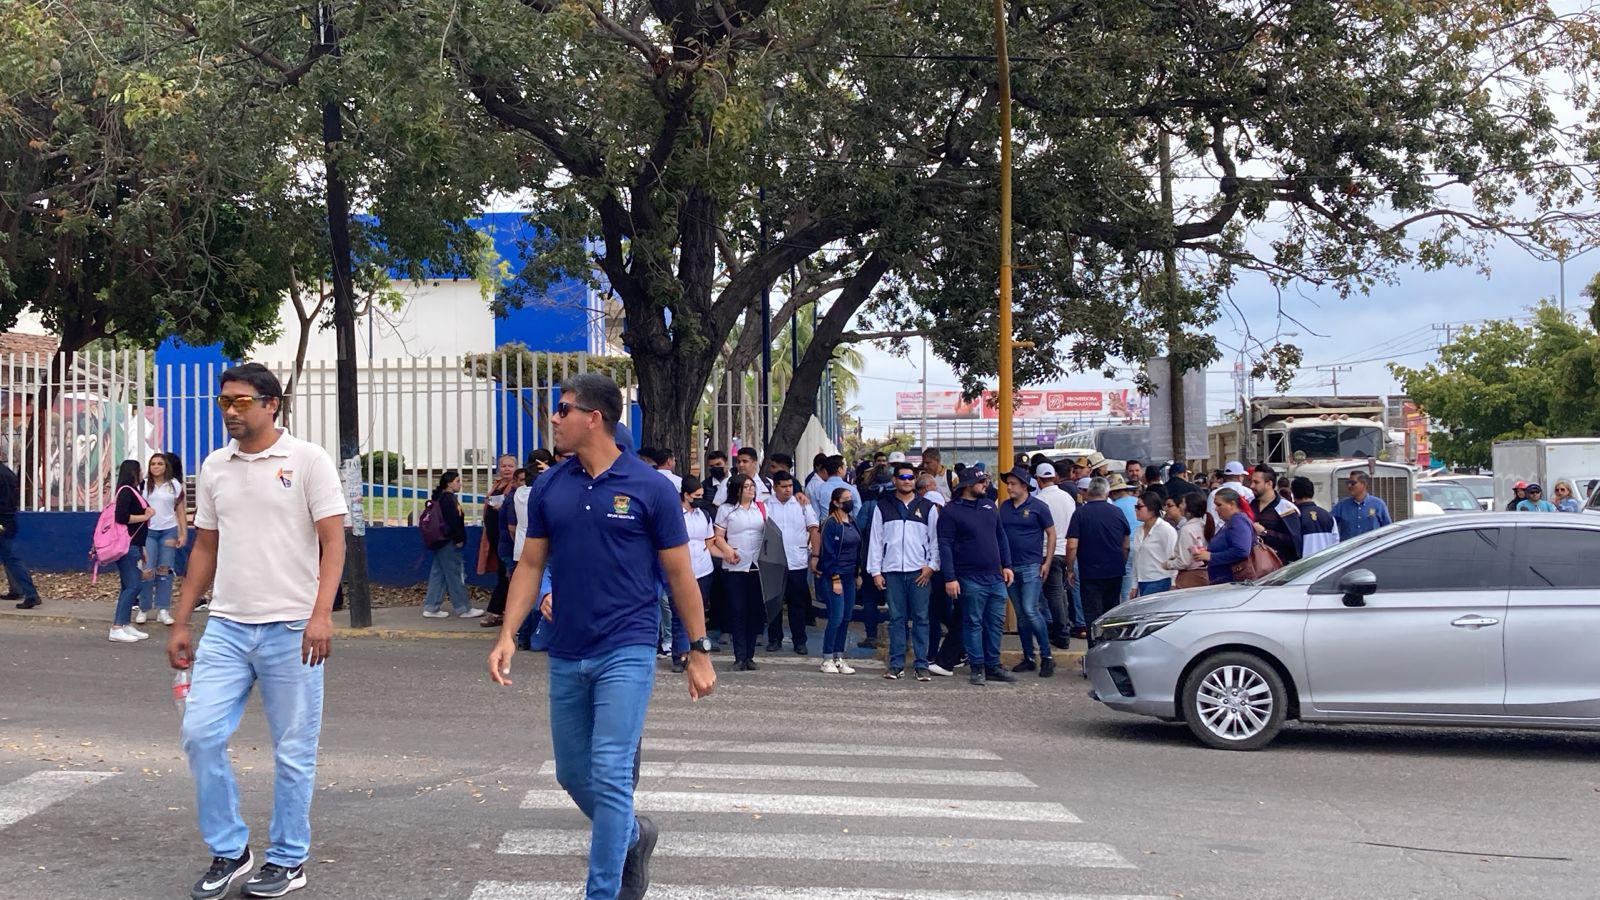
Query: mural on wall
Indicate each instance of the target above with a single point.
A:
(85, 439)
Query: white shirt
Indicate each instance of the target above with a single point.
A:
(519, 502)
(265, 508)
(674, 477)
(1152, 551)
(699, 527)
(1191, 537)
(795, 520)
(1062, 506)
(744, 527)
(937, 498)
(1243, 490)
(164, 503)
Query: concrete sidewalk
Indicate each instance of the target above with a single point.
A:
(407, 622)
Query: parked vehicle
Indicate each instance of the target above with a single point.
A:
(1448, 497)
(1545, 461)
(1484, 620)
(1480, 486)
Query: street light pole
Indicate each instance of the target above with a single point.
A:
(1005, 395)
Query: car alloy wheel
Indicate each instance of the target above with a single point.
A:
(1234, 701)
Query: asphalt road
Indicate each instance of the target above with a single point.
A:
(787, 784)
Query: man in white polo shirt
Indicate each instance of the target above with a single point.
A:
(269, 526)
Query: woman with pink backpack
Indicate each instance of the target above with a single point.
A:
(132, 512)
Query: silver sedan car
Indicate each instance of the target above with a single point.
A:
(1488, 620)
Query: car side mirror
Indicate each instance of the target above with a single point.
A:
(1356, 585)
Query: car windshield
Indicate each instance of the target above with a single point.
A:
(1480, 488)
(1124, 443)
(1338, 551)
(1337, 442)
(1449, 496)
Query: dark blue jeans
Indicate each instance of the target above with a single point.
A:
(1025, 591)
(839, 604)
(908, 606)
(597, 709)
(984, 603)
(21, 580)
(128, 571)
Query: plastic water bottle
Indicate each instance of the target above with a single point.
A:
(180, 691)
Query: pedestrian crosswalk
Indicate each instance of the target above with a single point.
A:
(745, 816)
(33, 793)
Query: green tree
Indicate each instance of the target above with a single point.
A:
(1503, 381)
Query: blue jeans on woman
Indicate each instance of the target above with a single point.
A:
(1146, 588)
(839, 604)
(157, 592)
(597, 708)
(230, 660)
(1025, 590)
(446, 576)
(132, 581)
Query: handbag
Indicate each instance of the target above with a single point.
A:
(1188, 578)
(1262, 561)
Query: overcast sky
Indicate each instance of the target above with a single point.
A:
(1393, 323)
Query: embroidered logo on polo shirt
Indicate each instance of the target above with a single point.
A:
(286, 477)
(621, 503)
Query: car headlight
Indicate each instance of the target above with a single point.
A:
(1131, 628)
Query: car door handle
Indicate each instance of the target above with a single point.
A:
(1474, 622)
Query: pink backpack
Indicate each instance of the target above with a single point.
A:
(111, 539)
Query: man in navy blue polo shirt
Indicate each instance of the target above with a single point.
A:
(1097, 539)
(975, 562)
(603, 520)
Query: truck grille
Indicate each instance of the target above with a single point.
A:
(1395, 492)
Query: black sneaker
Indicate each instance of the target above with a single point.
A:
(976, 677)
(924, 675)
(868, 644)
(801, 651)
(219, 879)
(29, 603)
(274, 881)
(1025, 666)
(10, 595)
(1047, 668)
(894, 674)
(998, 673)
(636, 868)
(677, 667)
(774, 646)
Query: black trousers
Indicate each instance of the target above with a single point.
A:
(502, 584)
(1055, 598)
(797, 598)
(944, 614)
(747, 612)
(1099, 595)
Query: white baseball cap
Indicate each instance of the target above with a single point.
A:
(897, 457)
(1083, 483)
(1234, 467)
(1045, 470)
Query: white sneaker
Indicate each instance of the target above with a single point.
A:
(472, 613)
(829, 667)
(137, 633)
(119, 633)
(937, 669)
(436, 614)
(138, 616)
(163, 617)
(844, 667)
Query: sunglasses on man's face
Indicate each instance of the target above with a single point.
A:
(904, 477)
(564, 409)
(240, 402)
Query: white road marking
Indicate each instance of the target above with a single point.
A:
(26, 796)
(836, 847)
(846, 774)
(562, 890)
(823, 805)
(931, 751)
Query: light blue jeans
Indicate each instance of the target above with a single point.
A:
(1127, 581)
(597, 709)
(446, 576)
(156, 593)
(230, 659)
(983, 604)
(1025, 590)
(908, 604)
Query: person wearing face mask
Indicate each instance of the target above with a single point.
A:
(716, 475)
(748, 463)
(835, 567)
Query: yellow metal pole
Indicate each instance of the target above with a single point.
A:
(1005, 395)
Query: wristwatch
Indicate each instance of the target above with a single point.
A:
(701, 644)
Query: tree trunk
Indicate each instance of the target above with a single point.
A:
(798, 400)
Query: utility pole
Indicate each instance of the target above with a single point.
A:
(1169, 262)
(1448, 329)
(344, 322)
(1334, 370)
(1005, 396)
(923, 430)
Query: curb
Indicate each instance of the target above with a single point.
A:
(340, 631)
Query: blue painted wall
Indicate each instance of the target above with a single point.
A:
(59, 542)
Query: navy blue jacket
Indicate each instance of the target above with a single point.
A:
(972, 544)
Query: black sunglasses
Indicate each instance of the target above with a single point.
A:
(564, 409)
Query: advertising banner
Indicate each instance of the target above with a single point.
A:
(941, 405)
